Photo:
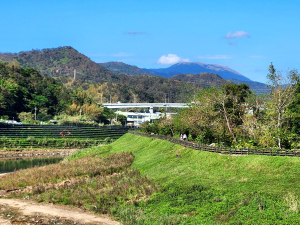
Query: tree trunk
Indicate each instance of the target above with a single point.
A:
(227, 121)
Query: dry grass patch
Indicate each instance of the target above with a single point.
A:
(84, 167)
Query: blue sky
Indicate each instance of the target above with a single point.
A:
(243, 35)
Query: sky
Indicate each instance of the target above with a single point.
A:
(243, 35)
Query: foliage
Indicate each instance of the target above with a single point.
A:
(234, 116)
(21, 90)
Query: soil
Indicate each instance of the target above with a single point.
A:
(19, 212)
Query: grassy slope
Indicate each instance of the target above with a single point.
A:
(157, 159)
(255, 188)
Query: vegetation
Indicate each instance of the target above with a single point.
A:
(29, 96)
(46, 143)
(234, 116)
(85, 167)
(61, 62)
(206, 188)
(21, 90)
(123, 68)
(95, 183)
(195, 188)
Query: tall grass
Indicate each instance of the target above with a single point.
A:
(101, 194)
(84, 167)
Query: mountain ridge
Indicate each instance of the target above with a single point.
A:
(123, 68)
(61, 63)
(196, 68)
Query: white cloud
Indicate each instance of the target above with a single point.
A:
(171, 59)
(215, 57)
(237, 34)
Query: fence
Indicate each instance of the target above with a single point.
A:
(225, 150)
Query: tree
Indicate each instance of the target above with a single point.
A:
(230, 105)
(281, 96)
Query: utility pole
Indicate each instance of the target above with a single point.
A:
(110, 98)
(101, 98)
(74, 74)
(35, 108)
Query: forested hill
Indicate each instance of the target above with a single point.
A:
(56, 62)
(123, 68)
(203, 79)
(22, 90)
(61, 62)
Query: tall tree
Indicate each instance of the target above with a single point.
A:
(282, 94)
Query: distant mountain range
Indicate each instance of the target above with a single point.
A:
(196, 68)
(185, 71)
(63, 62)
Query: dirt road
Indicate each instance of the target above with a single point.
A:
(18, 212)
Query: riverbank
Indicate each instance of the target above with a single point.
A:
(35, 153)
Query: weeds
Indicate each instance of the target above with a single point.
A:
(100, 193)
(84, 167)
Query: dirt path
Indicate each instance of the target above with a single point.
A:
(18, 211)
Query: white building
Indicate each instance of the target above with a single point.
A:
(135, 118)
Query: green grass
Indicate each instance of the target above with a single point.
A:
(208, 188)
(161, 188)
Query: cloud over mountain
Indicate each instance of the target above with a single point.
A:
(171, 59)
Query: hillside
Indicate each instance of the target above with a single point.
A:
(22, 90)
(198, 187)
(196, 68)
(61, 62)
(122, 68)
(203, 79)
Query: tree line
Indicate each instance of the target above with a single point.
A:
(235, 116)
(25, 92)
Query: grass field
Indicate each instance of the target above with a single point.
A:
(208, 188)
(177, 185)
